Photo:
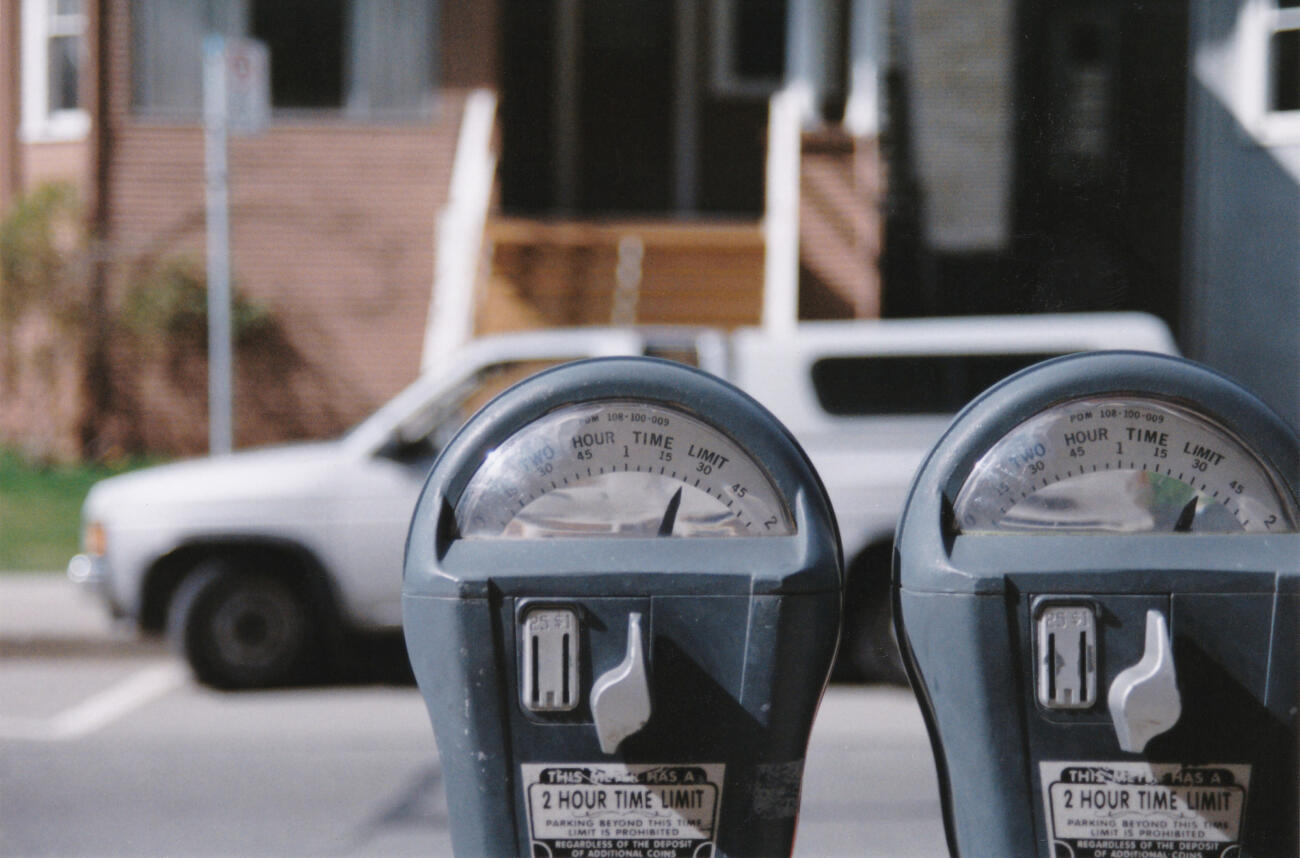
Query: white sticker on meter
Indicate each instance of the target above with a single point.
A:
(1153, 810)
(588, 810)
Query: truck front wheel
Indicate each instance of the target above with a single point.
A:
(239, 629)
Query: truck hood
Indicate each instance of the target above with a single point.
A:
(298, 471)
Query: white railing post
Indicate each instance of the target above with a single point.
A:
(781, 215)
(867, 49)
(459, 233)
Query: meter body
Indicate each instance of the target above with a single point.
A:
(621, 600)
(1096, 588)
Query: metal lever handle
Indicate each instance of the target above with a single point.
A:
(620, 698)
(1144, 699)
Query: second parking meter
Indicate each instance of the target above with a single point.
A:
(1097, 591)
(621, 600)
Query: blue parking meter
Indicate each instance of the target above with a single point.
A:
(1097, 588)
(621, 600)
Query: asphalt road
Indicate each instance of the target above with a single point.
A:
(125, 756)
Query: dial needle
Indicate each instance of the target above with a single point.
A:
(1184, 523)
(670, 515)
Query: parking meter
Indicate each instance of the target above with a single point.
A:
(621, 600)
(1097, 587)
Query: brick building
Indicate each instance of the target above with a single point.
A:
(632, 152)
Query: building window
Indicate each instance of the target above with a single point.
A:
(1284, 72)
(54, 33)
(363, 59)
(66, 32)
(749, 46)
(885, 385)
(1268, 70)
(305, 39)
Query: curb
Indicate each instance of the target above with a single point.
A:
(54, 646)
(44, 615)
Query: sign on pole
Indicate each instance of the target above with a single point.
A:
(248, 87)
(236, 100)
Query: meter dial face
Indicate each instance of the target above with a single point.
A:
(1128, 464)
(625, 468)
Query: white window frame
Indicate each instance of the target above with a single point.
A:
(723, 77)
(177, 97)
(1260, 20)
(39, 123)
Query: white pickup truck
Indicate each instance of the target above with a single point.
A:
(262, 565)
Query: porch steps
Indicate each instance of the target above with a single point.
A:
(551, 272)
(840, 230)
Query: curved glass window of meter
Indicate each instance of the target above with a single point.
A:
(1122, 464)
(621, 468)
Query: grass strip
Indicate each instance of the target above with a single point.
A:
(40, 510)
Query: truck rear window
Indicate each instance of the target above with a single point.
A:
(911, 384)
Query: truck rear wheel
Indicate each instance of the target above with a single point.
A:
(240, 629)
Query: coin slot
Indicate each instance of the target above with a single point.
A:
(1067, 664)
(1051, 660)
(550, 660)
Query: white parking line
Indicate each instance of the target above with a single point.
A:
(97, 712)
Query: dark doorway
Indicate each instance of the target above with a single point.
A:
(527, 170)
(625, 106)
(613, 127)
(1099, 158)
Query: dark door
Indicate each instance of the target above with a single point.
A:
(593, 109)
(625, 111)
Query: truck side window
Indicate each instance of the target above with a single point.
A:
(496, 378)
(910, 384)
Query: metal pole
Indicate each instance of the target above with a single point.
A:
(218, 243)
(11, 177)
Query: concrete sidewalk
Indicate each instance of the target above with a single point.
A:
(43, 614)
